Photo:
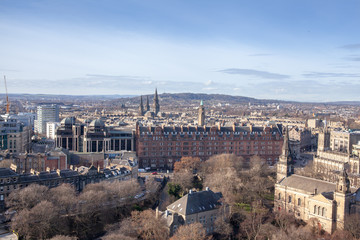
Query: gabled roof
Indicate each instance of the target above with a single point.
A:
(324, 197)
(196, 202)
(308, 184)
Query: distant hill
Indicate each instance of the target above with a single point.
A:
(185, 98)
(195, 98)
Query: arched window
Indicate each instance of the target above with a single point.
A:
(299, 201)
(318, 210)
(323, 212)
(289, 199)
(315, 209)
(279, 196)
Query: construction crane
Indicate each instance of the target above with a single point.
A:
(7, 98)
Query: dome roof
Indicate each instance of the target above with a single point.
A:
(97, 123)
(67, 121)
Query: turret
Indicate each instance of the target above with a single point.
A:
(285, 164)
(342, 197)
(343, 182)
(201, 121)
(323, 140)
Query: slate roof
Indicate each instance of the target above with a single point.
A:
(328, 195)
(28, 177)
(196, 202)
(7, 172)
(68, 173)
(308, 184)
(225, 129)
(47, 175)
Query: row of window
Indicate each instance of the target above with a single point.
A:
(201, 153)
(290, 199)
(321, 211)
(208, 138)
(207, 148)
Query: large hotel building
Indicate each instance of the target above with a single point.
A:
(160, 147)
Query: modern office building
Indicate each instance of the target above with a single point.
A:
(51, 129)
(14, 136)
(46, 113)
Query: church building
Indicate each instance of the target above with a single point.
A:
(330, 203)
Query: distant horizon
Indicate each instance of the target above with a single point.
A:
(133, 96)
(307, 51)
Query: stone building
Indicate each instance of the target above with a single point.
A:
(201, 121)
(14, 134)
(303, 135)
(328, 161)
(25, 162)
(77, 177)
(327, 202)
(160, 146)
(342, 141)
(93, 136)
(203, 207)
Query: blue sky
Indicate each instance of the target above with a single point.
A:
(290, 50)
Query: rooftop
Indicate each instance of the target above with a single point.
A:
(195, 202)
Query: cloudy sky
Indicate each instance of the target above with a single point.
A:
(301, 50)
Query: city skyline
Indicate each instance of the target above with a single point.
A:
(303, 51)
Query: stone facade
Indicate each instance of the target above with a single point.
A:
(342, 141)
(93, 136)
(329, 203)
(303, 135)
(159, 147)
(203, 207)
(78, 177)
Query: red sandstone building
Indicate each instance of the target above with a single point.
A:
(159, 147)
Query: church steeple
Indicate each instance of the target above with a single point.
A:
(156, 103)
(285, 164)
(343, 182)
(141, 107)
(147, 104)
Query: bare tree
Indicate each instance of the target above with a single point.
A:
(293, 232)
(27, 198)
(62, 237)
(184, 179)
(65, 196)
(284, 220)
(148, 227)
(37, 223)
(117, 236)
(188, 164)
(253, 225)
(352, 225)
(223, 228)
(93, 210)
(341, 235)
(194, 231)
